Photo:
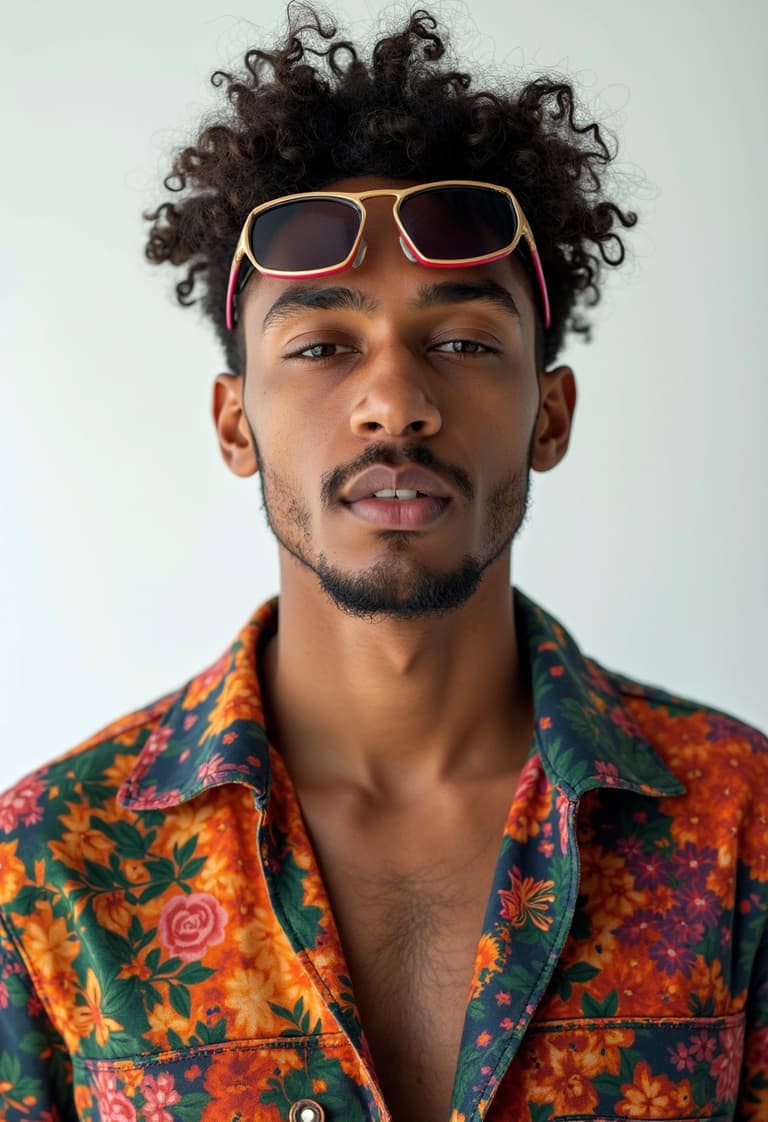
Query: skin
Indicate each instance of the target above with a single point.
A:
(404, 737)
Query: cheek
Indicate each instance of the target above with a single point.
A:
(510, 415)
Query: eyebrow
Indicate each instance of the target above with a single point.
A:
(453, 292)
(300, 298)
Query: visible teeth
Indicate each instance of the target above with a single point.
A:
(386, 493)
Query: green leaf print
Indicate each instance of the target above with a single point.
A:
(591, 1007)
(191, 1107)
(180, 999)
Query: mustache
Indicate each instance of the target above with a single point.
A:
(332, 482)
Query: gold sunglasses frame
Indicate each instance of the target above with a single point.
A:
(358, 199)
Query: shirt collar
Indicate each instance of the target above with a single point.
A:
(213, 730)
(586, 733)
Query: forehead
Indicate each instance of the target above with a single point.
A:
(358, 183)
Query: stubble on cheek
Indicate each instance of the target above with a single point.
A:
(505, 512)
(286, 514)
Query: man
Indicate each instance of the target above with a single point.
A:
(402, 852)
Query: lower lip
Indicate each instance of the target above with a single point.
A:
(399, 514)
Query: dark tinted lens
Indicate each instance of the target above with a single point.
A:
(307, 234)
(459, 223)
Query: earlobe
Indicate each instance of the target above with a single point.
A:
(232, 430)
(555, 419)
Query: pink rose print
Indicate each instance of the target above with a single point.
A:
(727, 1065)
(190, 924)
(563, 810)
(156, 742)
(158, 1093)
(21, 805)
(114, 1105)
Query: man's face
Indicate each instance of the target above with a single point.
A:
(391, 377)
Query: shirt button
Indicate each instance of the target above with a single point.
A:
(306, 1110)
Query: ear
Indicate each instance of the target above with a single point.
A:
(553, 425)
(234, 435)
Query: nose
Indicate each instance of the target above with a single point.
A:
(394, 397)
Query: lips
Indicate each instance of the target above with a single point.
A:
(406, 498)
(383, 478)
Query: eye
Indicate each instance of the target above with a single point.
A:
(464, 347)
(318, 351)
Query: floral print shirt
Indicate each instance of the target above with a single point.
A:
(168, 952)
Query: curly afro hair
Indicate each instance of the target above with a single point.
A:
(311, 111)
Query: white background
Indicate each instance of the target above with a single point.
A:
(130, 556)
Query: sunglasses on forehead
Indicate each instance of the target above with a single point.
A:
(449, 224)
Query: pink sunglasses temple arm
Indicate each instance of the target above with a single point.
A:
(231, 284)
(542, 285)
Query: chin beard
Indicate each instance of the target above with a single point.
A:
(388, 591)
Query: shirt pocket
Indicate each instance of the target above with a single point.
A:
(244, 1081)
(666, 1069)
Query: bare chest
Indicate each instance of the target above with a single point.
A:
(410, 918)
(410, 942)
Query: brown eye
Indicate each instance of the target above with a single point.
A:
(317, 351)
(464, 347)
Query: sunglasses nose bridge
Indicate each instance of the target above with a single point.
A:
(407, 250)
(361, 198)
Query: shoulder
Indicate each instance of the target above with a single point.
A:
(691, 736)
(91, 771)
(649, 699)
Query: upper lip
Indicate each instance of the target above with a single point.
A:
(380, 477)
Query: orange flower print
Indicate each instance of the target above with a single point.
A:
(234, 1078)
(80, 839)
(204, 684)
(83, 1099)
(88, 1016)
(239, 700)
(12, 873)
(486, 963)
(112, 911)
(193, 818)
(653, 1096)
(119, 770)
(52, 946)
(568, 1088)
(708, 984)
(527, 900)
(251, 1015)
(164, 1019)
(566, 1066)
(606, 880)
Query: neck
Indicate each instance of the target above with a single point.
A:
(390, 706)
